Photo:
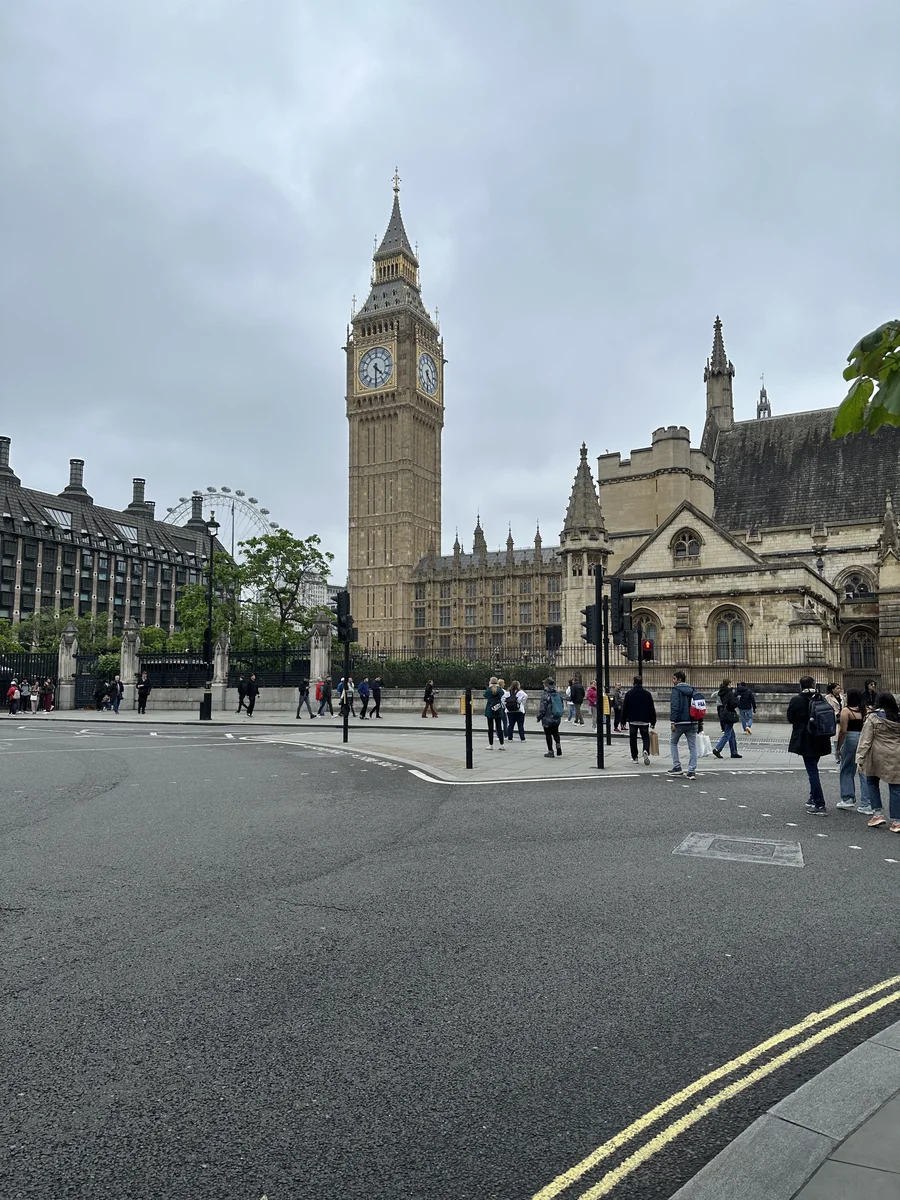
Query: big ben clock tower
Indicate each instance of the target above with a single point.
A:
(395, 407)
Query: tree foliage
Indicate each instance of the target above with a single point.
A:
(278, 570)
(41, 631)
(874, 396)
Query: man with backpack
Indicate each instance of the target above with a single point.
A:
(812, 728)
(686, 708)
(550, 713)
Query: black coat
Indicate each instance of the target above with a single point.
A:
(242, 689)
(726, 702)
(428, 694)
(144, 687)
(638, 707)
(576, 693)
(376, 690)
(809, 745)
(252, 688)
(745, 699)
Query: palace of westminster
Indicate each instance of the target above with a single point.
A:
(768, 531)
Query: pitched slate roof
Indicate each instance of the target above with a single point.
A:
(395, 240)
(492, 559)
(32, 514)
(788, 471)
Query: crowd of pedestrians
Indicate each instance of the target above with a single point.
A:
(33, 697)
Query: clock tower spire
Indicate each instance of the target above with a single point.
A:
(395, 409)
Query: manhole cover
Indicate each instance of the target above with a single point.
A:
(737, 849)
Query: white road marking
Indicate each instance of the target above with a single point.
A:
(821, 835)
(854, 847)
(893, 860)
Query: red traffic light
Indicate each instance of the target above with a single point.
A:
(648, 645)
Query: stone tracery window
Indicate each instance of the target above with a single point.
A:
(730, 636)
(862, 651)
(686, 546)
(856, 587)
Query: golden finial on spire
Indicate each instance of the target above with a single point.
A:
(396, 181)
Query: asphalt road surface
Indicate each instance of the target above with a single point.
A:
(234, 969)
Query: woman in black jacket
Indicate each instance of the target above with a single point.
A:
(727, 712)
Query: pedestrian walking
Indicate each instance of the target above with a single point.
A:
(24, 696)
(591, 697)
(35, 696)
(515, 702)
(144, 688)
(834, 698)
(578, 695)
(376, 699)
(13, 695)
(569, 703)
(101, 696)
(618, 697)
(686, 708)
(116, 692)
(746, 702)
(727, 712)
(47, 691)
(812, 728)
(348, 695)
(870, 693)
(242, 693)
(428, 697)
(639, 714)
(878, 758)
(493, 711)
(304, 699)
(365, 692)
(325, 698)
(850, 724)
(252, 693)
(550, 713)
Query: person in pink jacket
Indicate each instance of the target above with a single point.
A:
(591, 697)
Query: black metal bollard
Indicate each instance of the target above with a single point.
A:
(468, 729)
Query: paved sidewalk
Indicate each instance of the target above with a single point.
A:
(438, 746)
(835, 1138)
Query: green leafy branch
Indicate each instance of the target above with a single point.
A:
(874, 396)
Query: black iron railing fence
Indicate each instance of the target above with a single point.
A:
(285, 667)
(25, 665)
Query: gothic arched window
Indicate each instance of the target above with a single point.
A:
(646, 627)
(686, 546)
(856, 587)
(863, 651)
(730, 636)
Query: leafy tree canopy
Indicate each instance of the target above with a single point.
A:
(41, 631)
(874, 396)
(278, 569)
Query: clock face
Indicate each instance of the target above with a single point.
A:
(375, 367)
(428, 375)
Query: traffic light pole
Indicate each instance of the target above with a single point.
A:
(606, 667)
(345, 703)
(598, 600)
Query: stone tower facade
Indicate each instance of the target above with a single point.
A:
(718, 377)
(395, 408)
(583, 546)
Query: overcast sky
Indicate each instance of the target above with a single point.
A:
(189, 192)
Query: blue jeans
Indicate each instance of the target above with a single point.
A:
(848, 769)
(816, 795)
(727, 739)
(874, 785)
(691, 734)
(746, 718)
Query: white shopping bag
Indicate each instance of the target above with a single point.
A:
(704, 745)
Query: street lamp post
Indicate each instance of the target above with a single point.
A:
(212, 528)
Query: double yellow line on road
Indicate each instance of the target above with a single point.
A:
(604, 1186)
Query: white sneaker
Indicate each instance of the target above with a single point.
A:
(846, 804)
(646, 759)
(866, 809)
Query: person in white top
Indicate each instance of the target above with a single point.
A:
(515, 703)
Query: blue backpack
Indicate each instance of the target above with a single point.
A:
(822, 721)
(556, 705)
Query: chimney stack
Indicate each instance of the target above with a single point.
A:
(150, 505)
(75, 486)
(196, 521)
(137, 495)
(6, 471)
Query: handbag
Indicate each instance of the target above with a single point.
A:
(654, 743)
(704, 745)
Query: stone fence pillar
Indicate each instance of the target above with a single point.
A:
(128, 660)
(66, 668)
(220, 671)
(320, 649)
